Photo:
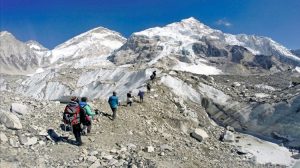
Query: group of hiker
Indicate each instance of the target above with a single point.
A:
(80, 112)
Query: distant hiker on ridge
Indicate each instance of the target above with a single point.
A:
(71, 116)
(113, 103)
(153, 76)
(141, 95)
(148, 87)
(129, 98)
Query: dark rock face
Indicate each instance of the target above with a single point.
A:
(263, 61)
(237, 53)
(209, 50)
(137, 49)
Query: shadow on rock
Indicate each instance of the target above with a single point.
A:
(57, 138)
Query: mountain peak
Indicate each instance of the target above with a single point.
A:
(190, 20)
(6, 33)
(35, 45)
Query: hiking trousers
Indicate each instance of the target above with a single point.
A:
(114, 110)
(77, 133)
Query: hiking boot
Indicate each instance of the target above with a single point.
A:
(78, 143)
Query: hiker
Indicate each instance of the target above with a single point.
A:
(153, 76)
(89, 115)
(113, 102)
(72, 116)
(148, 87)
(141, 95)
(129, 98)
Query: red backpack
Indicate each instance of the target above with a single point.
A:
(71, 115)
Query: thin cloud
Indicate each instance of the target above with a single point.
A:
(223, 22)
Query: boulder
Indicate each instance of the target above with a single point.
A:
(10, 120)
(199, 134)
(31, 141)
(228, 136)
(3, 138)
(19, 108)
(236, 84)
(23, 139)
(96, 164)
(92, 159)
(149, 149)
(13, 143)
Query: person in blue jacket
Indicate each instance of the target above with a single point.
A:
(113, 103)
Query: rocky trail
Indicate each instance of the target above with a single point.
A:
(156, 133)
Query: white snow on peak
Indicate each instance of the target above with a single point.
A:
(5, 33)
(191, 30)
(35, 45)
(96, 42)
(187, 27)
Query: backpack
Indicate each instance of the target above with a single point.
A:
(71, 115)
(84, 118)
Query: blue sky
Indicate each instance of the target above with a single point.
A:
(52, 22)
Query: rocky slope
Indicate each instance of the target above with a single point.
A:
(155, 133)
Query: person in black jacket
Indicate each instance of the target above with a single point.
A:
(129, 98)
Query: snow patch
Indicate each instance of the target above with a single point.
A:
(199, 68)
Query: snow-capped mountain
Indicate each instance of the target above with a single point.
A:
(190, 43)
(39, 50)
(88, 48)
(17, 57)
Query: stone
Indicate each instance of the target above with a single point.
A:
(10, 120)
(19, 108)
(107, 157)
(113, 151)
(13, 143)
(112, 162)
(166, 147)
(228, 136)
(23, 139)
(131, 147)
(93, 153)
(120, 163)
(96, 164)
(241, 151)
(199, 134)
(91, 159)
(149, 149)
(43, 133)
(229, 128)
(31, 141)
(3, 138)
(236, 84)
